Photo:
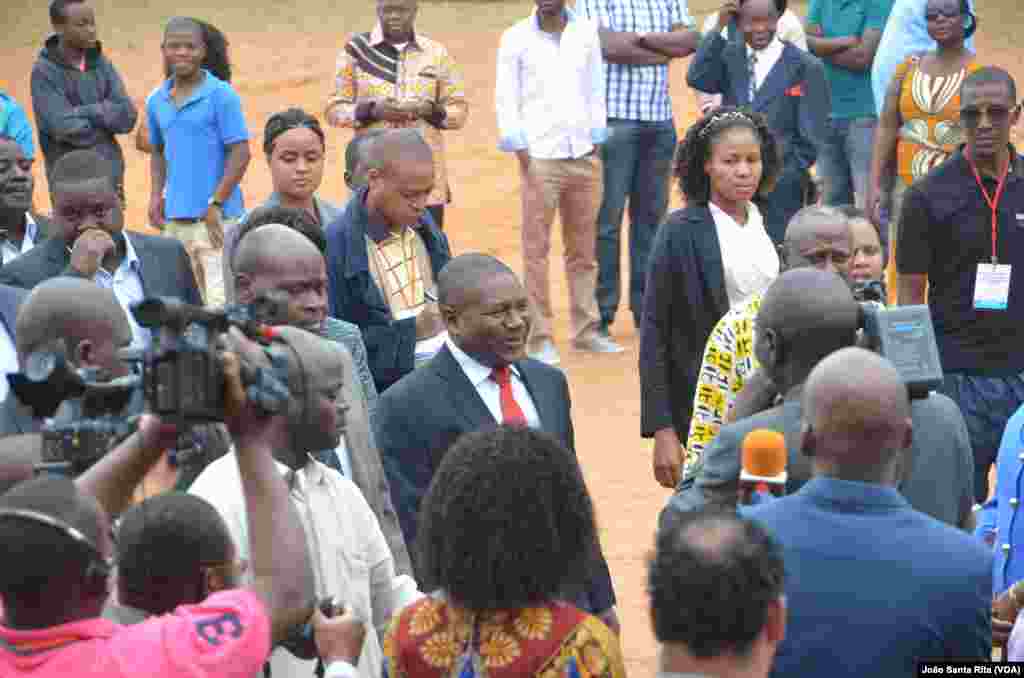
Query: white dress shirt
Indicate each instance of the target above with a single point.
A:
(7, 249)
(766, 59)
(351, 559)
(550, 90)
(126, 283)
(480, 376)
(749, 258)
(8, 359)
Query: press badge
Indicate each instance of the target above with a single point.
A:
(992, 287)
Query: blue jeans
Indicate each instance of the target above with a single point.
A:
(637, 164)
(845, 160)
(987, 404)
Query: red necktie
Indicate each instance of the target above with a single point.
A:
(511, 413)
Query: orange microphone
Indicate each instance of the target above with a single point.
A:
(763, 469)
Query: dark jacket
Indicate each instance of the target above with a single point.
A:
(685, 297)
(420, 417)
(80, 109)
(14, 418)
(356, 298)
(794, 97)
(165, 267)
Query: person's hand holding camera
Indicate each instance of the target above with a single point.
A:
(339, 638)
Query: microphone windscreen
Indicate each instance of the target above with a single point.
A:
(764, 453)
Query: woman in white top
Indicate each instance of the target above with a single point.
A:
(706, 258)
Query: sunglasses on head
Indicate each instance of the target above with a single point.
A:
(997, 115)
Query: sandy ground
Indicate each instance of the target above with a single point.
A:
(284, 56)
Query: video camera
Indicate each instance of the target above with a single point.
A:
(84, 414)
(902, 334)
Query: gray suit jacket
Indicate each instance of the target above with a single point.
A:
(14, 418)
(938, 480)
(360, 395)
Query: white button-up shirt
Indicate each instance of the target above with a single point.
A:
(126, 283)
(7, 249)
(351, 558)
(8, 359)
(749, 258)
(766, 60)
(550, 90)
(480, 376)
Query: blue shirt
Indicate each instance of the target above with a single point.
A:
(998, 522)
(906, 33)
(14, 123)
(851, 90)
(195, 140)
(126, 283)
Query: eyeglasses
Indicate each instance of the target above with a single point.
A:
(997, 115)
(936, 14)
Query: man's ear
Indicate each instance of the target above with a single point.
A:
(773, 348)
(84, 354)
(808, 439)
(775, 621)
(243, 288)
(451, 317)
(214, 580)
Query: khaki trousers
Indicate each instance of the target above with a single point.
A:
(206, 261)
(573, 187)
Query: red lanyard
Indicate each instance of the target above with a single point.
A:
(993, 203)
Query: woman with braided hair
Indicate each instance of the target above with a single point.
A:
(706, 258)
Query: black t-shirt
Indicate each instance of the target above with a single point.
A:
(945, 232)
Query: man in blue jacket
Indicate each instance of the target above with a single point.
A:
(77, 95)
(861, 563)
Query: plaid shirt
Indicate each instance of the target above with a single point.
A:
(369, 69)
(637, 92)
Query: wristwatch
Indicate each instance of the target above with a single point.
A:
(213, 202)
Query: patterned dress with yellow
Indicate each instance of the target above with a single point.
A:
(433, 638)
(371, 69)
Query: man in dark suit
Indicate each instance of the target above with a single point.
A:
(10, 300)
(481, 378)
(90, 242)
(81, 321)
(776, 79)
(806, 315)
(872, 585)
(383, 254)
(20, 230)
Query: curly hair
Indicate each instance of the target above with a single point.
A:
(507, 521)
(695, 150)
(216, 60)
(293, 118)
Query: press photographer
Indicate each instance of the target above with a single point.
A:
(805, 316)
(52, 605)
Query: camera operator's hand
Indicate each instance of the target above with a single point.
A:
(338, 638)
(156, 434)
(89, 250)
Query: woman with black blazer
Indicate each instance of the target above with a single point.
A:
(706, 258)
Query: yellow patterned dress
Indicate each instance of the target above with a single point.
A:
(433, 638)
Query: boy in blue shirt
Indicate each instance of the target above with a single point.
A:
(201, 152)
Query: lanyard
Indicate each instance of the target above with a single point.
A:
(993, 203)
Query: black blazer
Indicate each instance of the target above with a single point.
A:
(684, 298)
(420, 417)
(794, 96)
(166, 271)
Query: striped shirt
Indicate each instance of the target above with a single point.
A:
(637, 92)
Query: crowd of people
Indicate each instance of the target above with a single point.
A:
(417, 509)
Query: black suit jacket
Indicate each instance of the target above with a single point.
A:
(794, 96)
(684, 298)
(165, 267)
(420, 417)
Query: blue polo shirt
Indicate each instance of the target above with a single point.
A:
(852, 96)
(195, 138)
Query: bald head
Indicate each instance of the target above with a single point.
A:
(386, 150)
(73, 310)
(265, 247)
(818, 237)
(857, 414)
(467, 273)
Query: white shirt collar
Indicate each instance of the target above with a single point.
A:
(131, 259)
(723, 218)
(31, 230)
(476, 372)
(771, 51)
(313, 473)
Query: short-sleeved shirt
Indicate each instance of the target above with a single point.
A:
(225, 636)
(852, 96)
(945, 232)
(194, 139)
(637, 92)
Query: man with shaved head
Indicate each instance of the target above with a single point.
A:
(481, 377)
(872, 585)
(276, 258)
(75, 318)
(807, 314)
(384, 253)
(817, 237)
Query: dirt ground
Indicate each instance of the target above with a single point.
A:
(284, 55)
